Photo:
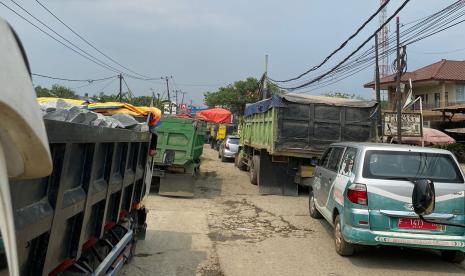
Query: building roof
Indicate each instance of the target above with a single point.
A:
(443, 70)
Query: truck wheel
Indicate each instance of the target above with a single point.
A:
(453, 256)
(311, 206)
(254, 169)
(343, 248)
(155, 185)
(237, 160)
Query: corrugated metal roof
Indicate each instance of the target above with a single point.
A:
(443, 70)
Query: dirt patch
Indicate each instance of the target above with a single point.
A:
(242, 220)
(211, 266)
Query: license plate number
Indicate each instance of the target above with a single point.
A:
(406, 223)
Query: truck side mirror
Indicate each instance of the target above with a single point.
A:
(423, 197)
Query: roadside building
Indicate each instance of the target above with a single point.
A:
(440, 84)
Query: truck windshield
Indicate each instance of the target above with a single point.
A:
(411, 165)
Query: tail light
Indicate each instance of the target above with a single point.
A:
(226, 146)
(357, 193)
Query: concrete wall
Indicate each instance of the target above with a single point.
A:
(430, 90)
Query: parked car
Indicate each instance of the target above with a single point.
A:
(364, 190)
(228, 148)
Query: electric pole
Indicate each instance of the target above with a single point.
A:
(168, 92)
(182, 99)
(398, 80)
(265, 79)
(176, 91)
(120, 95)
(378, 89)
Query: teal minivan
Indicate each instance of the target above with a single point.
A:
(365, 190)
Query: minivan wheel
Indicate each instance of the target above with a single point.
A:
(343, 248)
(311, 206)
(453, 256)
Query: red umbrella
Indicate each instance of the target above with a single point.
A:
(431, 136)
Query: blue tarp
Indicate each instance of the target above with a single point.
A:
(263, 105)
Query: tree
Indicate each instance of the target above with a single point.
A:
(235, 96)
(58, 91)
(343, 95)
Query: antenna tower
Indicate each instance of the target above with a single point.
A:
(383, 43)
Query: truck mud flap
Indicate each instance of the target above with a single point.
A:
(274, 178)
(179, 185)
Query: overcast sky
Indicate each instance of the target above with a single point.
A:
(207, 44)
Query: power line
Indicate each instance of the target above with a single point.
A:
(354, 52)
(65, 39)
(76, 80)
(106, 85)
(440, 52)
(341, 46)
(86, 41)
(364, 60)
(79, 50)
(54, 38)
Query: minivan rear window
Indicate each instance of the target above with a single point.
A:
(382, 164)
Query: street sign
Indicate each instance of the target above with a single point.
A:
(411, 124)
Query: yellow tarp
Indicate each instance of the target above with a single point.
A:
(45, 100)
(116, 107)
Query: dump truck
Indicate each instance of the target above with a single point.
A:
(283, 137)
(71, 193)
(177, 161)
(86, 216)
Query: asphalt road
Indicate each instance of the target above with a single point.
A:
(229, 229)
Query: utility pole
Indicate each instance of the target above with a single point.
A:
(182, 99)
(265, 79)
(378, 89)
(168, 92)
(176, 91)
(120, 95)
(398, 80)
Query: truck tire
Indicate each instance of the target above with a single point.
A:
(254, 169)
(311, 206)
(238, 160)
(343, 248)
(155, 185)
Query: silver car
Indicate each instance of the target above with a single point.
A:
(228, 148)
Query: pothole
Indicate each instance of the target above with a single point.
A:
(242, 220)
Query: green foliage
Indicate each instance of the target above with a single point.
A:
(457, 149)
(343, 95)
(235, 96)
(58, 91)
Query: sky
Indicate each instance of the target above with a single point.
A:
(207, 44)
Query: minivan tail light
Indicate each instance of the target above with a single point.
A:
(226, 146)
(357, 193)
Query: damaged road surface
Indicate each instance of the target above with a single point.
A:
(229, 229)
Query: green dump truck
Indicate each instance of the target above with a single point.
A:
(282, 138)
(177, 161)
